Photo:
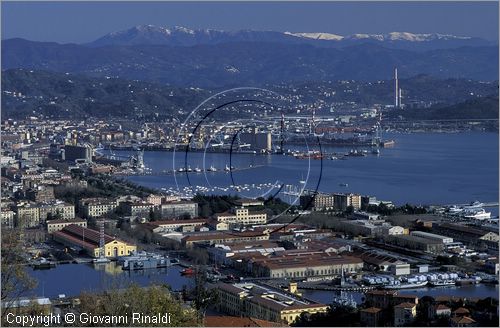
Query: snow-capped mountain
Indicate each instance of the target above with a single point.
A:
(182, 36)
(317, 36)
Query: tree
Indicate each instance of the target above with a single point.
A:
(134, 299)
(202, 296)
(336, 316)
(15, 280)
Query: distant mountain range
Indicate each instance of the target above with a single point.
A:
(215, 59)
(182, 36)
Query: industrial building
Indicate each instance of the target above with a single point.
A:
(220, 237)
(78, 153)
(252, 300)
(432, 236)
(87, 240)
(167, 226)
(369, 228)
(56, 225)
(258, 141)
(417, 243)
(308, 264)
(223, 253)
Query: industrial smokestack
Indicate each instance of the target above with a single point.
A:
(400, 98)
(396, 88)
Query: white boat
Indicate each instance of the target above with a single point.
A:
(478, 215)
(227, 168)
(455, 210)
(101, 260)
(474, 205)
(197, 169)
(212, 169)
(441, 283)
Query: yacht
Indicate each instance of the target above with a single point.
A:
(197, 169)
(478, 215)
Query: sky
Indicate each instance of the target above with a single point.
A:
(80, 22)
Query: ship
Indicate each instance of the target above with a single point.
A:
(441, 283)
(408, 285)
(478, 215)
(212, 169)
(101, 260)
(355, 153)
(42, 263)
(309, 155)
(145, 260)
(387, 143)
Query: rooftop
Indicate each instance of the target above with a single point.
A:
(268, 296)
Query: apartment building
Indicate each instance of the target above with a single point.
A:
(241, 216)
(265, 303)
(97, 207)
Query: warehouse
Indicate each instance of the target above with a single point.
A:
(88, 240)
(432, 236)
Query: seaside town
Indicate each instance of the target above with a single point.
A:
(69, 202)
(249, 164)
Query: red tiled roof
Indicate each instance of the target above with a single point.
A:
(66, 221)
(371, 310)
(406, 305)
(228, 321)
(463, 320)
(461, 310)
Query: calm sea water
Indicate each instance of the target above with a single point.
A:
(73, 279)
(422, 168)
(478, 291)
(430, 168)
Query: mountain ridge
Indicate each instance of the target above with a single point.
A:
(179, 35)
(249, 63)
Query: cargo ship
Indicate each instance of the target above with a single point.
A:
(143, 261)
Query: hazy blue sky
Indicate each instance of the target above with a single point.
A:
(86, 21)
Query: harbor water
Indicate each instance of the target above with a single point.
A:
(73, 279)
(471, 291)
(421, 169)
